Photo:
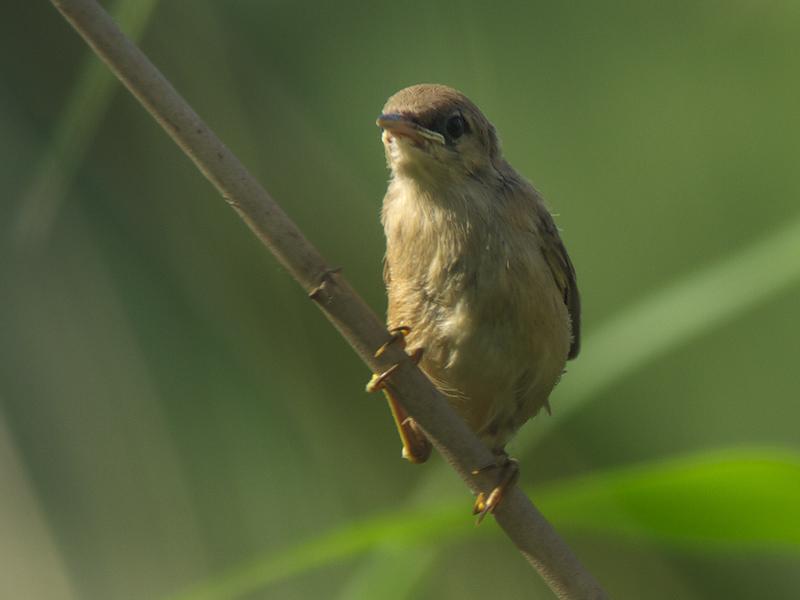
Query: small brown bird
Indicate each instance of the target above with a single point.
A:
(479, 283)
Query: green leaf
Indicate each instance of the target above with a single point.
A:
(727, 499)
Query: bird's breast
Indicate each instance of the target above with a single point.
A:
(473, 286)
(466, 267)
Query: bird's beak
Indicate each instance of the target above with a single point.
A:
(399, 125)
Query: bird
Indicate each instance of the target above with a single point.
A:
(481, 290)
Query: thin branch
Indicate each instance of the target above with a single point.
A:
(365, 332)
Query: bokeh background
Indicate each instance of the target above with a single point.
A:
(178, 420)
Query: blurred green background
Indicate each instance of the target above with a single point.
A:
(178, 420)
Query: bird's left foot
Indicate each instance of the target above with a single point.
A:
(398, 336)
(508, 474)
(416, 446)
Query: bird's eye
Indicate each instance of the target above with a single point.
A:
(456, 126)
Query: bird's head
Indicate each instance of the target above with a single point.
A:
(436, 135)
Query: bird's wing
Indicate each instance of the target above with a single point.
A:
(564, 274)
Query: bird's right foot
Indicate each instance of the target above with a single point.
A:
(508, 474)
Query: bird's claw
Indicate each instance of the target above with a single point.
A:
(377, 381)
(398, 334)
(509, 473)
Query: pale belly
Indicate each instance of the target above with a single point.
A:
(496, 352)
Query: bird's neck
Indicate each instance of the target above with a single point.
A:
(430, 229)
(420, 208)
